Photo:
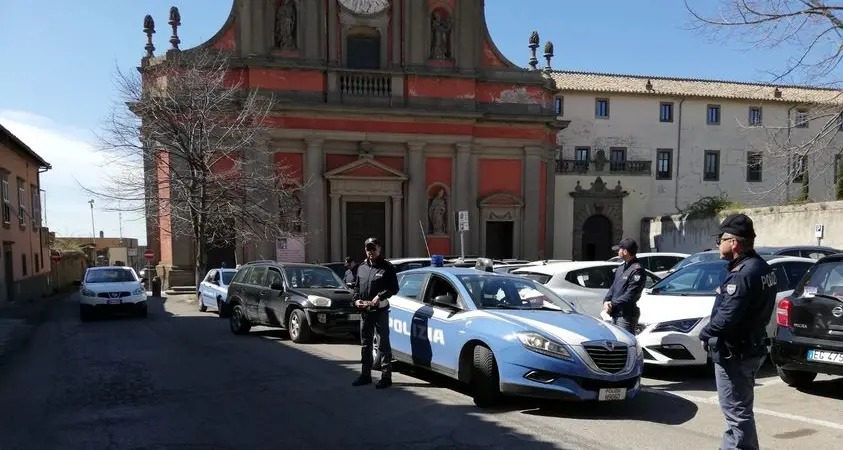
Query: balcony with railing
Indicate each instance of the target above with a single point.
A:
(596, 167)
(362, 87)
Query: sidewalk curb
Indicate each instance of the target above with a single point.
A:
(21, 333)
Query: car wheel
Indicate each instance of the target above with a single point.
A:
(202, 306)
(299, 329)
(238, 322)
(795, 378)
(484, 378)
(220, 306)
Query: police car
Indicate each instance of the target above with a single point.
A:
(505, 334)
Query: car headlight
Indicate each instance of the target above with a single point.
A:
(541, 344)
(682, 326)
(138, 291)
(88, 293)
(639, 350)
(320, 302)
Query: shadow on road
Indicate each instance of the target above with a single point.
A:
(826, 388)
(700, 379)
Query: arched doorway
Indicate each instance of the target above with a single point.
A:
(597, 238)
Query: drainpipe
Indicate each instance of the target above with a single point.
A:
(789, 176)
(678, 155)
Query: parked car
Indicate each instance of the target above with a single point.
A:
(582, 283)
(113, 289)
(706, 255)
(803, 251)
(508, 267)
(659, 263)
(213, 289)
(505, 334)
(402, 264)
(304, 299)
(674, 311)
(809, 333)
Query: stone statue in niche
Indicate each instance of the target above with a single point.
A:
(437, 212)
(440, 35)
(286, 17)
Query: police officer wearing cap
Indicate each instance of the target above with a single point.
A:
(375, 283)
(350, 270)
(621, 302)
(736, 335)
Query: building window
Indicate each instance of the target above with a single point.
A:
(557, 106)
(755, 116)
(801, 118)
(37, 262)
(713, 115)
(363, 49)
(581, 158)
(800, 165)
(664, 164)
(36, 206)
(666, 112)
(23, 263)
(711, 165)
(7, 202)
(753, 166)
(601, 108)
(21, 203)
(617, 159)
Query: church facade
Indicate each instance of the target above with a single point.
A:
(399, 114)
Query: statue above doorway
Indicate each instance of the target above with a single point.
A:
(286, 22)
(437, 213)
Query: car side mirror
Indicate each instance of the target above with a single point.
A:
(445, 300)
(77, 283)
(277, 287)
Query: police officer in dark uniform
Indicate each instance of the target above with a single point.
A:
(375, 283)
(621, 301)
(350, 270)
(736, 335)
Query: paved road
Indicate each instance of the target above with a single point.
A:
(181, 380)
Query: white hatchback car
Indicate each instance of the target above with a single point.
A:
(582, 283)
(675, 310)
(112, 289)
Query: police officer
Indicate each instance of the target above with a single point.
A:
(350, 270)
(621, 302)
(736, 335)
(376, 281)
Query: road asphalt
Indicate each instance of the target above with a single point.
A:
(181, 380)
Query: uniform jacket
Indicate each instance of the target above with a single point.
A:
(376, 278)
(350, 275)
(626, 289)
(742, 309)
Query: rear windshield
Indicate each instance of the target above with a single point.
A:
(823, 278)
(698, 279)
(537, 277)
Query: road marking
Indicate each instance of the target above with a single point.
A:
(766, 412)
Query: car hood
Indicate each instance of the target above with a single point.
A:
(664, 308)
(112, 287)
(332, 293)
(572, 329)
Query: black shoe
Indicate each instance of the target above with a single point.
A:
(362, 380)
(384, 383)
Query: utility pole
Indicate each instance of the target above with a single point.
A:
(93, 228)
(45, 207)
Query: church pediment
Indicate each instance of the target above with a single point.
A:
(366, 168)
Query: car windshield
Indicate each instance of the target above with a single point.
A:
(695, 258)
(506, 292)
(313, 278)
(698, 279)
(227, 276)
(823, 279)
(110, 276)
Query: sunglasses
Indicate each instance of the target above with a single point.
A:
(371, 248)
(722, 239)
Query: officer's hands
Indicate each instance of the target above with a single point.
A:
(360, 304)
(607, 307)
(375, 301)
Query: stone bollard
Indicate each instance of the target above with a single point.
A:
(156, 286)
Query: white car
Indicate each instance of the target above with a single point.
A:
(213, 289)
(111, 289)
(675, 310)
(583, 283)
(659, 263)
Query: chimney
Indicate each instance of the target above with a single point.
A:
(102, 234)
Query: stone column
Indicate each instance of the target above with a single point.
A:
(266, 166)
(416, 198)
(332, 35)
(461, 197)
(336, 228)
(550, 205)
(397, 220)
(314, 201)
(532, 190)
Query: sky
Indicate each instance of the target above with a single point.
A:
(60, 58)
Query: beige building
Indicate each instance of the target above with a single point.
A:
(641, 146)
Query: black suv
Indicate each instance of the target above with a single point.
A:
(304, 299)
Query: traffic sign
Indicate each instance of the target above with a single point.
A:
(462, 218)
(818, 231)
(56, 257)
(148, 255)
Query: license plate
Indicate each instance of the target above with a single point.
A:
(613, 394)
(354, 317)
(825, 356)
(114, 302)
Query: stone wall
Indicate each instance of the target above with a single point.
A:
(71, 268)
(774, 225)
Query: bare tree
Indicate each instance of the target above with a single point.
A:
(188, 148)
(814, 29)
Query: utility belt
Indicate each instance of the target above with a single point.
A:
(744, 348)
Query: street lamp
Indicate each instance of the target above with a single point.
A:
(93, 228)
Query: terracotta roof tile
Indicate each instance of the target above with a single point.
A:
(687, 87)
